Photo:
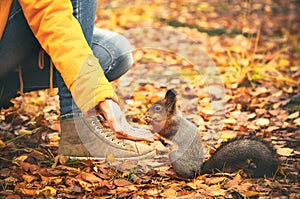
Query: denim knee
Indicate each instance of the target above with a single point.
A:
(113, 51)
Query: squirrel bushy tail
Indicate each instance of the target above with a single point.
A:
(253, 155)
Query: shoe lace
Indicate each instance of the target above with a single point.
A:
(107, 133)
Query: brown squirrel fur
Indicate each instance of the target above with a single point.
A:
(186, 155)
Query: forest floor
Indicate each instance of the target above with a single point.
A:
(255, 47)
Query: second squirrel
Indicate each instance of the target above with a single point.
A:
(186, 155)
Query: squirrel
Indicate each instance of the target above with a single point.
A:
(187, 156)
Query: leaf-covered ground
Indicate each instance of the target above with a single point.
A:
(255, 44)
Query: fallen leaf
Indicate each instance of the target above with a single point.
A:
(293, 115)
(227, 135)
(251, 115)
(215, 190)
(285, 151)
(297, 121)
(85, 185)
(2, 144)
(126, 165)
(21, 158)
(110, 158)
(12, 197)
(59, 159)
(262, 122)
(170, 192)
(49, 191)
(230, 121)
(215, 180)
(25, 165)
(121, 190)
(28, 192)
(90, 178)
(5, 172)
(250, 193)
(121, 182)
(28, 178)
(234, 182)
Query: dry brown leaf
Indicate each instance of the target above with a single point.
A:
(2, 144)
(242, 188)
(59, 159)
(28, 192)
(12, 197)
(215, 180)
(215, 190)
(34, 169)
(85, 185)
(25, 165)
(90, 178)
(5, 172)
(250, 193)
(127, 165)
(28, 178)
(103, 176)
(121, 182)
(169, 193)
(121, 190)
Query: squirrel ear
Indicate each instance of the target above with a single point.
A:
(171, 94)
(171, 99)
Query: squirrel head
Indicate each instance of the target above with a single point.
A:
(162, 111)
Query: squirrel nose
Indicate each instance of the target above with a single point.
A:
(147, 118)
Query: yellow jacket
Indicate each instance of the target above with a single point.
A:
(60, 35)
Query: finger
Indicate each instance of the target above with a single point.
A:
(133, 138)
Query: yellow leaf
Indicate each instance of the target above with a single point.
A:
(227, 135)
(230, 121)
(21, 158)
(285, 151)
(139, 97)
(297, 121)
(25, 132)
(283, 63)
(293, 115)
(48, 190)
(110, 158)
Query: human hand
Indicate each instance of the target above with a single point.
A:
(119, 125)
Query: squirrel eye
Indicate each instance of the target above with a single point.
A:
(157, 108)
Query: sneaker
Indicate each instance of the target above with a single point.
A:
(86, 138)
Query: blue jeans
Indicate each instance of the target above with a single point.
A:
(19, 47)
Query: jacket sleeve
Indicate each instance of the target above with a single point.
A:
(60, 35)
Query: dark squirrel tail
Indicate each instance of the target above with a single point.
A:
(253, 155)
